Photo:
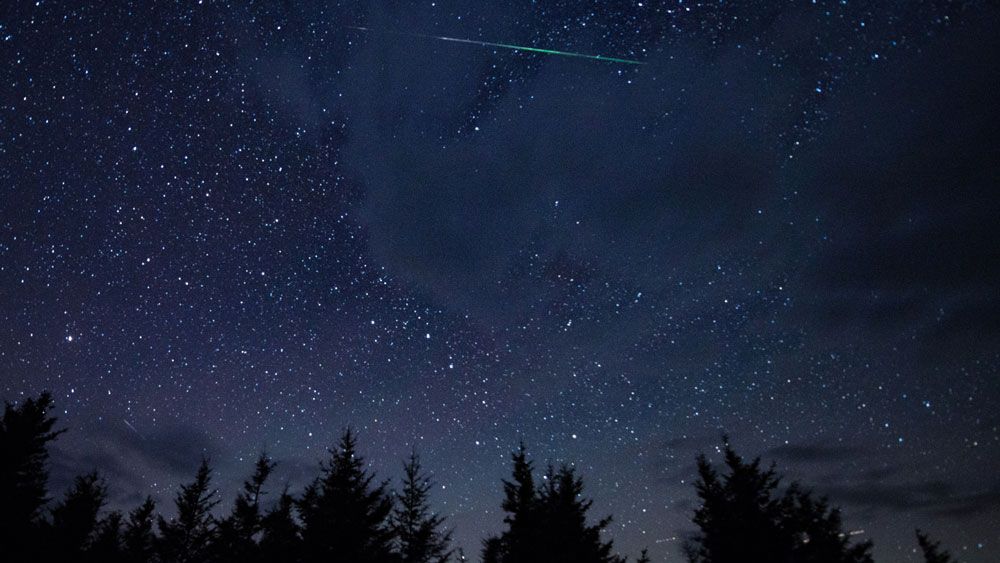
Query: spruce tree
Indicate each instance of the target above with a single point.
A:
(418, 530)
(643, 556)
(280, 535)
(138, 539)
(743, 518)
(107, 544)
(566, 535)
(932, 550)
(345, 517)
(188, 536)
(237, 533)
(520, 542)
(25, 432)
(548, 523)
(74, 519)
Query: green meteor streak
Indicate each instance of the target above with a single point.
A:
(514, 47)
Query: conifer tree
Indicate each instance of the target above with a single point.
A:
(547, 523)
(520, 541)
(280, 535)
(188, 536)
(138, 539)
(743, 518)
(107, 544)
(345, 517)
(237, 533)
(643, 556)
(566, 535)
(74, 519)
(25, 432)
(932, 550)
(418, 530)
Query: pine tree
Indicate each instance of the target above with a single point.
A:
(933, 553)
(280, 535)
(237, 533)
(138, 539)
(345, 517)
(549, 523)
(643, 556)
(563, 522)
(188, 536)
(418, 530)
(493, 550)
(742, 518)
(520, 541)
(25, 432)
(107, 544)
(74, 519)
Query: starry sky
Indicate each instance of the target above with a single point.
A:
(228, 226)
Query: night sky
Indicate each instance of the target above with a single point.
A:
(228, 226)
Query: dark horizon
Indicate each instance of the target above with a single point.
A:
(231, 227)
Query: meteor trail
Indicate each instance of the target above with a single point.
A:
(507, 46)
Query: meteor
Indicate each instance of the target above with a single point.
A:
(507, 46)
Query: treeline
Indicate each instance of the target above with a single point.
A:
(346, 515)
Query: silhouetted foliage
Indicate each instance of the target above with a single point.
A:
(419, 532)
(138, 539)
(932, 550)
(547, 523)
(107, 544)
(280, 533)
(743, 518)
(25, 432)
(74, 519)
(237, 534)
(344, 516)
(188, 536)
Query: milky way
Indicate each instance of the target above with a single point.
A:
(230, 226)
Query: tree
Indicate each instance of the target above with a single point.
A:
(933, 552)
(188, 536)
(107, 544)
(25, 432)
(345, 517)
(643, 556)
(138, 540)
(418, 530)
(520, 541)
(743, 518)
(74, 519)
(280, 535)
(566, 535)
(547, 523)
(237, 533)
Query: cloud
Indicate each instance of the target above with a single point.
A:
(934, 497)
(814, 453)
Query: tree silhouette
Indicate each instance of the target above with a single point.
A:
(344, 516)
(74, 519)
(188, 536)
(418, 530)
(519, 542)
(742, 518)
(107, 544)
(643, 556)
(25, 432)
(547, 523)
(138, 540)
(566, 536)
(933, 552)
(280, 534)
(237, 534)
